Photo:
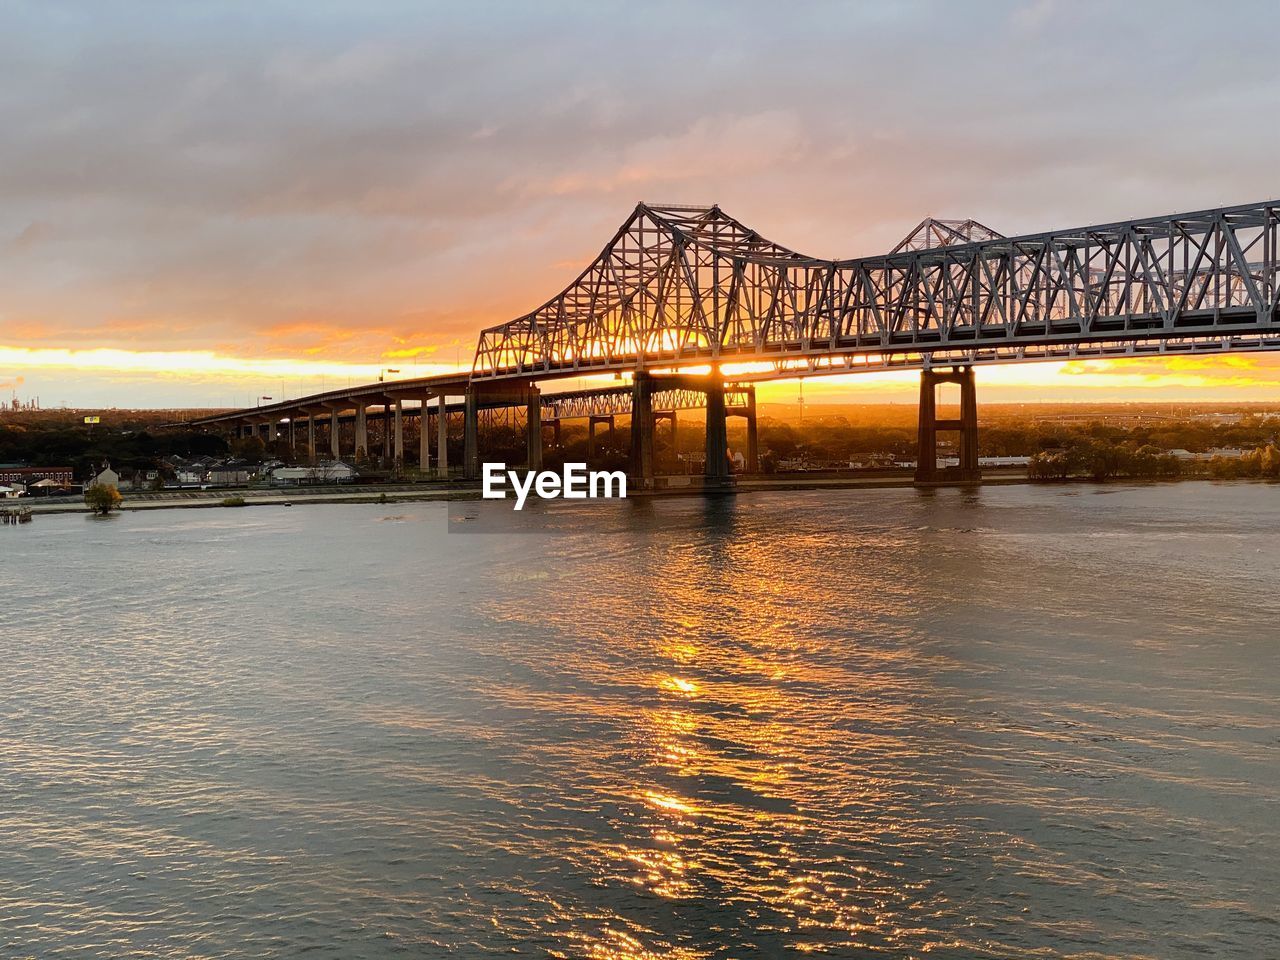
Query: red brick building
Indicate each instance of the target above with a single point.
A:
(60, 475)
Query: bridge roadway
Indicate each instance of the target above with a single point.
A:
(679, 288)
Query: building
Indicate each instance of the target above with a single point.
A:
(20, 473)
(106, 477)
(49, 488)
(232, 473)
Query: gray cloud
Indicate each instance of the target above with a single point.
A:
(263, 178)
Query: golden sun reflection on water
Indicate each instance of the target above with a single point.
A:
(679, 684)
(742, 734)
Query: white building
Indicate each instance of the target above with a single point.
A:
(106, 477)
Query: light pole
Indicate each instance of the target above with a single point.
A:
(382, 374)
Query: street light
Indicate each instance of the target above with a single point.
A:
(260, 399)
(382, 374)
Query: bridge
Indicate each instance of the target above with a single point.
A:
(688, 302)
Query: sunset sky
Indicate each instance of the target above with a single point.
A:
(202, 204)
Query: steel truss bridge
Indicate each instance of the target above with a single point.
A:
(679, 289)
(679, 286)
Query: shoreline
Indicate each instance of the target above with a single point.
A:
(434, 492)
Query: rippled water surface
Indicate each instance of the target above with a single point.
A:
(1021, 722)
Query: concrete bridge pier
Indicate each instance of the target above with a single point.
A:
(362, 432)
(424, 434)
(386, 429)
(471, 435)
(533, 428)
(641, 468)
(398, 432)
(927, 471)
(753, 437)
(591, 431)
(335, 433)
(717, 468)
(311, 436)
(673, 417)
(442, 437)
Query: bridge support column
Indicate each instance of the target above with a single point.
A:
(591, 432)
(753, 437)
(642, 432)
(293, 435)
(311, 437)
(967, 426)
(399, 432)
(471, 436)
(658, 417)
(424, 435)
(335, 434)
(362, 432)
(533, 429)
(386, 429)
(442, 437)
(717, 468)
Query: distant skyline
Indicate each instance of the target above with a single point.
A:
(203, 204)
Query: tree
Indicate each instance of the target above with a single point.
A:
(102, 498)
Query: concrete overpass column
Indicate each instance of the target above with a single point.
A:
(969, 470)
(753, 437)
(311, 437)
(641, 468)
(967, 426)
(533, 429)
(335, 434)
(927, 439)
(399, 432)
(442, 437)
(717, 469)
(362, 432)
(471, 436)
(386, 430)
(424, 435)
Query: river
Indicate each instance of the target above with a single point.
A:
(1018, 721)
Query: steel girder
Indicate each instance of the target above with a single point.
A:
(680, 286)
(616, 401)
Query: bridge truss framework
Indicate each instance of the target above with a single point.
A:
(679, 288)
